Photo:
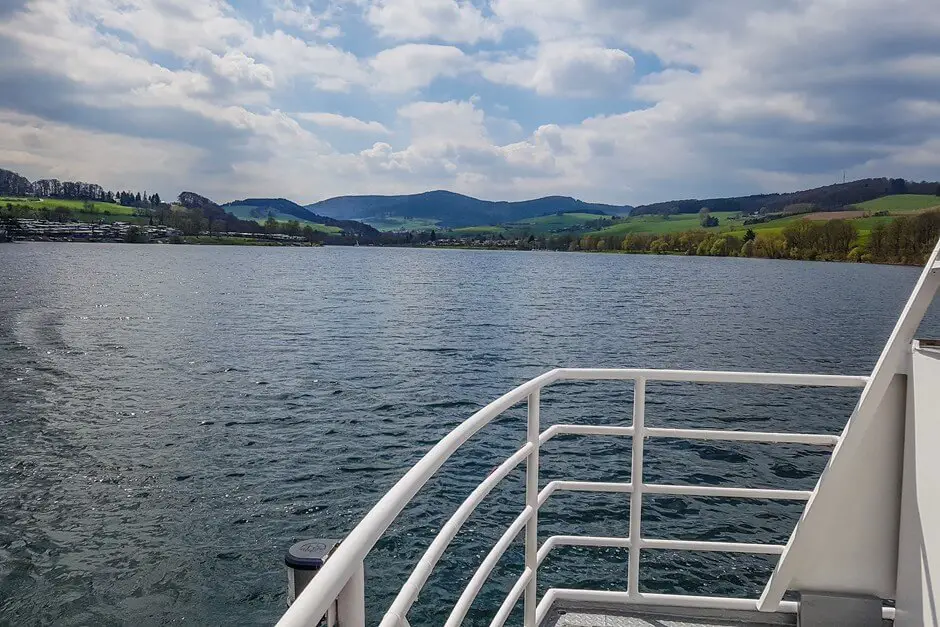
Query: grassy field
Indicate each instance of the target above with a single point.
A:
(477, 230)
(668, 224)
(894, 205)
(556, 222)
(48, 204)
(397, 223)
(244, 212)
(864, 225)
(901, 203)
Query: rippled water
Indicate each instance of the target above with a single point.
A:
(173, 417)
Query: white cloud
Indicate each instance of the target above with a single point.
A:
(43, 149)
(343, 122)
(450, 146)
(452, 21)
(197, 31)
(412, 66)
(238, 68)
(749, 95)
(569, 68)
(303, 18)
(453, 122)
(326, 66)
(177, 26)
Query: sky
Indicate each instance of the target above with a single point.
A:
(617, 101)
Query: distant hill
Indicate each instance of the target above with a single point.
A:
(828, 198)
(261, 208)
(455, 210)
(213, 212)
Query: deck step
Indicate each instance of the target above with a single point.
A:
(600, 615)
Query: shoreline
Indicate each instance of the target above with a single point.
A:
(223, 241)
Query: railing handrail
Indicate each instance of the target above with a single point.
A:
(315, 600)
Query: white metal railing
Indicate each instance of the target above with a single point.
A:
(345, 564)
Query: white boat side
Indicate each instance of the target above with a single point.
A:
(867, 537)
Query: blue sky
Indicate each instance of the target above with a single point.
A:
(620, 101)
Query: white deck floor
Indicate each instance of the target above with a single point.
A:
(586, 615)
(598, 616)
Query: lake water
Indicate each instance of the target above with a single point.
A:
(172, 418)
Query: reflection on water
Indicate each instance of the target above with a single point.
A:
(173, 417)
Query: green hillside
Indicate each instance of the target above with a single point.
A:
(900, 203)
(730, 223)
(249, 212)
(558, 221)
(540, 225)
(396, 223)
(659, 224)
(50, 204)
(478, 230)
(453, 210)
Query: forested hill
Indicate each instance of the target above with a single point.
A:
(455, 210)
(261, 208)
(827, 198)
(201, 211)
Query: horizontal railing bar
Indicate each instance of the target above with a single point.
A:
(512, 598)
(598, 541)
(556, 430)
(744, 436)
(711, 376)
(728, 547)
(767, 437)
(419, 576)
(740, 493)
(654, 543)
(679, 490)
(486, 567)
(582, 486)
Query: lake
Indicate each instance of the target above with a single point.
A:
(172, 418)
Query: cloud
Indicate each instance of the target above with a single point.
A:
(412, 66)
(608, 100)
(303, 18)
(176, 26)
(213, 30)
(453, 21)
(450, 145)
(453, 123)
(237, 68)
(325, 66)
(343, 122)
(61, 69)
(750, 94)
(31, 144)
(9, 7)
(569, 68)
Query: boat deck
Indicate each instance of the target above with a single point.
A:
(597, 615)
(590, 615)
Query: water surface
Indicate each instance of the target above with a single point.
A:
(173, 417)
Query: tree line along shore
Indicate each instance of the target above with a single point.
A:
(895, 227)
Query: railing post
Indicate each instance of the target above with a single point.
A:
(351, 603)
(636, 478)
(532, 500)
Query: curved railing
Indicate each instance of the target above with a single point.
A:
(344, 566)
